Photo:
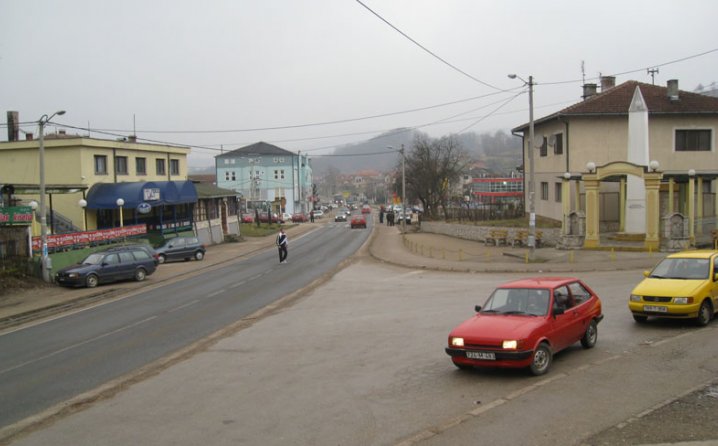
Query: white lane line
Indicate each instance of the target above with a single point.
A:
(79, 344)
(238, 284)
(216, 293)
(188, 304)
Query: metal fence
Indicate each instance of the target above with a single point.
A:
(484, 212)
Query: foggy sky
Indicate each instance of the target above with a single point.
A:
(225, 65)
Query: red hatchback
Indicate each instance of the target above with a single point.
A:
(358, 221)
(525, 322)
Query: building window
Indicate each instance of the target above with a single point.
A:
(544, 147)
(160, 167)
(693, 140)
(558, 187)
(100, 165)
(544, 190)
(558, 144)
(141, 166)
(226, 175)
(174, 167)
(121, 165)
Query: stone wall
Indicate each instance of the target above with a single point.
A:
(549, 237)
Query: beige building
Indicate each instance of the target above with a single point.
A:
(75, 164)
(681, 139)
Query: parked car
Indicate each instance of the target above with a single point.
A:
(146, 248)
(263, 218)
(525, 322)
(684, 285)
(286, 217)
(122, 263)
(299, 217)
(181, 248)
(318, 213)
(247, 218)
(358, 221)
(340, 217)
(398, 216)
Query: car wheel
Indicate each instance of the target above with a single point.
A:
(640, 319)
(591, 336)
(140, 275)
(541, 360)
(162, 258)
(199, 255)
(91, 281)
(705, 313)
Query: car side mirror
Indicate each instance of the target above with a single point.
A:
(646, 273)
(558, 310)
(104, 264)
(715, 277)
(477, 308)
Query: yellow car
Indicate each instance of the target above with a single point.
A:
(684, 285)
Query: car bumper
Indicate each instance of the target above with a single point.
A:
(509, 359)
(70, 281)
(688, 311)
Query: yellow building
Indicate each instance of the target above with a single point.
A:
(74, 165)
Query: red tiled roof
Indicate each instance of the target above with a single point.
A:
(617, 100)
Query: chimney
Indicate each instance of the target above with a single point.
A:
(607, 82)
(589, 90)
(13, 126)
(673, 89)
(132, 138)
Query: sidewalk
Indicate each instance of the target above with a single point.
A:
(413, 250)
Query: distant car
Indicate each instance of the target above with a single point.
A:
(108, 266)
(366, 209)
(286, 217)
(684, 285)
(525, 322)
(247, 218)
(340, 217)
(358, 221)
(263, 218)
(398, 216)
(318, 213)
(181, 248)
(299, 217)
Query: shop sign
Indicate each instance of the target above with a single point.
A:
(16, 216)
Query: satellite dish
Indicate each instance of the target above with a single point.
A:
(538, 142)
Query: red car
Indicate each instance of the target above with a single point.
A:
(299, 218)
(525, 322)
(247, 219)
(366, 209)
(358, 221)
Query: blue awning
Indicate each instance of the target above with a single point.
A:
(155, 193)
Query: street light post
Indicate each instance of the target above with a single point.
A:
(532, 207)
(44, 119)
(120, 202)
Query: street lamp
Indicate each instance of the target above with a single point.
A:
(83, 204)
(44, 119)
(120, 202)
(532, 208)
(403, 187)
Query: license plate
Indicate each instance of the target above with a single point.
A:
(481, 355)
(655, 309)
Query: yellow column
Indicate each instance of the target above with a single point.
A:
(577, 197)
(690, 201)
(591, 184)
(565, 204)
(622, 206)
(670, 196)
(715, 205)
(652, 182)
(699, 206)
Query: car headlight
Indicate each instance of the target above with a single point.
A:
(457, 342)
(635, 298)
(510, 345)
(683, 300)
(73, 275)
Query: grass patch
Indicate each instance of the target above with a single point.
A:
(264, 229)
(541, 222)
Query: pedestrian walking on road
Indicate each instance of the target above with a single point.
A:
(282, 243)
(311, 216)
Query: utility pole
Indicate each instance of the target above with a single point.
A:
(403, 190)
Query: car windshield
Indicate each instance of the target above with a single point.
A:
(682, 268)
(93, 259)
(521, 301)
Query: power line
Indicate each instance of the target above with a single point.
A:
(429, 51)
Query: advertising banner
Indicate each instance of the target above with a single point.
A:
(58, 241)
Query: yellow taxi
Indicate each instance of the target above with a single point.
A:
(684, 285)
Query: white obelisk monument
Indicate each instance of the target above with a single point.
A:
(637, 154)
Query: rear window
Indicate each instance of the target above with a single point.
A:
(141, 255)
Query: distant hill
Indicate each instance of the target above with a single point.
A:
(500, 152)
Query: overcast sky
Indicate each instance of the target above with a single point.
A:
(217, 68)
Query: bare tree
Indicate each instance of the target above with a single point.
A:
(431, 165)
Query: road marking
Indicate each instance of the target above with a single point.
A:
(79, 344)
(188, 304)
(238, 284)
(216, 293)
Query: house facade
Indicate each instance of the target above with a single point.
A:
(94, 172)
(267, 176)
(572, 145)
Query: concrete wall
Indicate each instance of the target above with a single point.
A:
(479, 233)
